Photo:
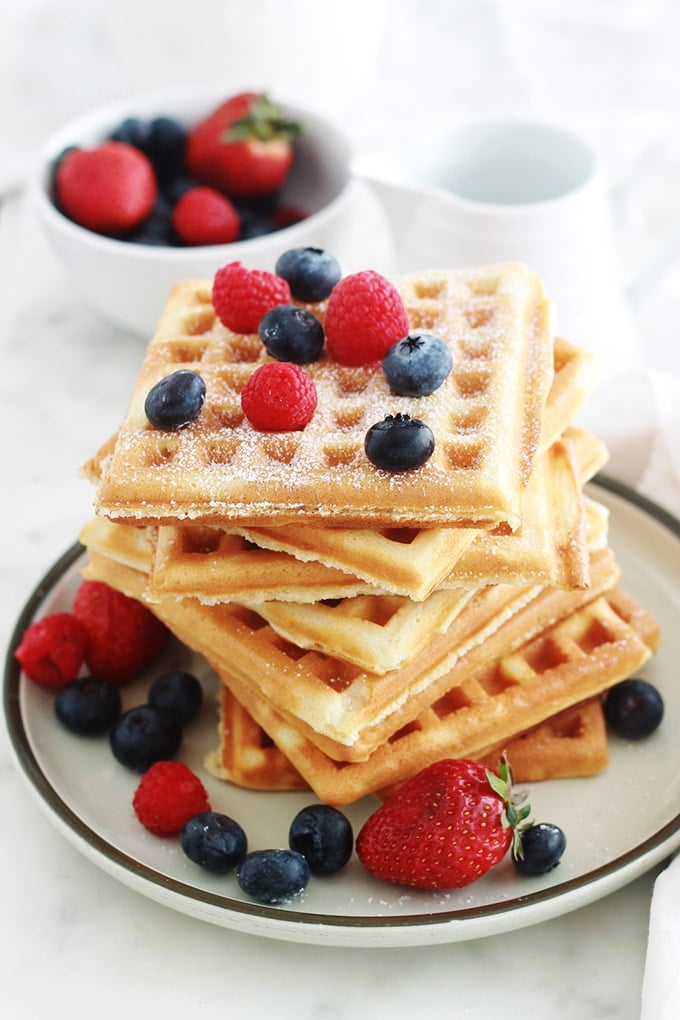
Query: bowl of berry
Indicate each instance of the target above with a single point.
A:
(142, 193)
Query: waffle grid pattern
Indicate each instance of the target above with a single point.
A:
(606, 641)
(497, 324)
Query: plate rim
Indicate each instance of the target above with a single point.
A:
(277, 921)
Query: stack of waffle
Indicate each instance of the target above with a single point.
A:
(362, 623)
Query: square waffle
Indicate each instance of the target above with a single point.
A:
(275, 565)
(401, 561)
(571, 743)
(577, 658)
(248, 756)
(487, 419)
(411, 562)
(348, 711)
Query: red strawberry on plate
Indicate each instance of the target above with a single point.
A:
(123, 636)
(243, 148)
(109, 189)
(443, 828)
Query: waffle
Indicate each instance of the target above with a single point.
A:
(400, 561)
(379, 633)
(595, 647)
(574, 377)
(213, 565)
(286, 565)
(413, 562)
(132, 547)
(346, 711)
(571, 743)
(247, 756)
(487, 419)
(376, 632)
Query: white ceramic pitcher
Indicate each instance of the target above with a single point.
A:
(513, 189)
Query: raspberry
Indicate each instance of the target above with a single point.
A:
(241, 296)
(52, 650)
(109, 189)
(279, 397)
(365, 316)
(123, 637)
(203, 216)
(168, 795)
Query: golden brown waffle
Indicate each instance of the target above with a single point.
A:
(395, 560)
(579, 657)
(570, 744)
(213, 565)
(573, 380)
(345, 710)
(499, 619)
(487, 419)
(294, 564)
(131, 546)
(377, 633)
(411, 562)
(400, 561)
(247, 756)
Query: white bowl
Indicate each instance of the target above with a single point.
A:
(129, 283)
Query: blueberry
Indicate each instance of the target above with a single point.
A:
(132, 131)
(88, 706)
(273, 876)
(323, 835)
(214, 841)
(157, 228)
(633, 709)
(417, 365)
(165, 146)
(399, 443)
(144, 735)
(543, 845)
(54, 167)
(177, 692)
(292, 334)
(178, 185)
(311, 272)
(176, 400)
(254, 225)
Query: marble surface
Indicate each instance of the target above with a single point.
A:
(74, 942)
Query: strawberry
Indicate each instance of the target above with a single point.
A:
(109, 189)
(243, 148)
(443, 828)
(123, 636)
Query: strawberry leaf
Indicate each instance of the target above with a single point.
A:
(516, 810)
(498, 785)
(264, 122)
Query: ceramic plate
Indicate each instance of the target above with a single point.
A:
(618, 824)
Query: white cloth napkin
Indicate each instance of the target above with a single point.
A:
(661, 482)
(661, 986)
